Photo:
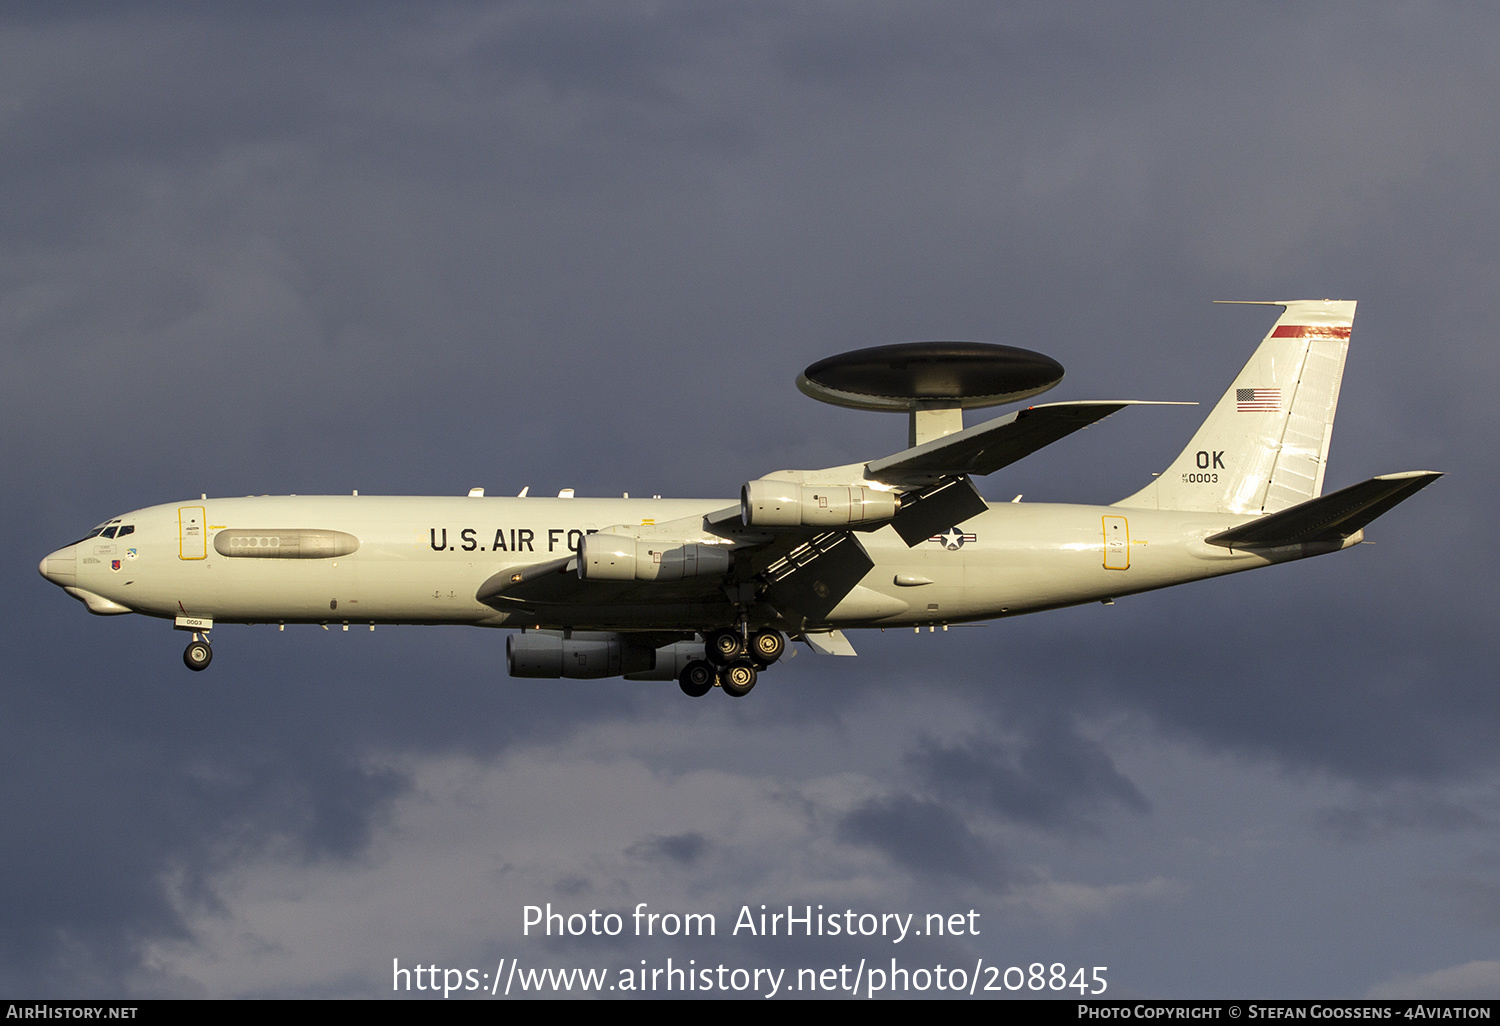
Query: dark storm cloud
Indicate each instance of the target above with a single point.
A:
(113, 805)
(1402, 810)
(924, 837)
(140, 789)
(1280, 664)
(683, 849)
(1306, 683)
(1470, 897)
(415, 249)
(615, 52)
(1050, 777)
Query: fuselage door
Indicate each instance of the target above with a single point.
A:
(1116, 543)
(192, 534)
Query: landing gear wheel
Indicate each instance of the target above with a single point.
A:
(725, 646)
(697, 678)
(737, 679)
(767, 645)
(197, 655)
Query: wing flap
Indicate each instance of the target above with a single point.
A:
(936, 509)
(816, 575)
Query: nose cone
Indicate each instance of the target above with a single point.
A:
(61, 567)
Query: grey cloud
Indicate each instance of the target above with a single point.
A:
(98, 835)
(1468, 898)
(684, 849)
(1049, 777)
(1404, 809)
(1472, 980)
(590, 246)
(922, 836)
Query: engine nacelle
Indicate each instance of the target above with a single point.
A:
(671, 660)
(586, 655)
(771, 503)
(591, 655)
(620, 557)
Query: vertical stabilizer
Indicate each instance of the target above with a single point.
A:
(1265, 445)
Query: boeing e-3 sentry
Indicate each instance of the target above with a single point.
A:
(707, 592)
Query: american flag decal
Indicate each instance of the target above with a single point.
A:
(1257, 400)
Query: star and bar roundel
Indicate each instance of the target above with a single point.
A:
(953, 539)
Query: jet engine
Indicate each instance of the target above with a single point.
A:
(619, 557)
(589, 655)
(767, 502)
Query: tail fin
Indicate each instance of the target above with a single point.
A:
(1265, 445)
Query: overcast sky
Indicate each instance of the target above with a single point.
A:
(416, 248)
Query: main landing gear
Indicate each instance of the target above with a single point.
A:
(698, 678)
(733, 662)
(198, 654)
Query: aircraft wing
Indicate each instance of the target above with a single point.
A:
(804, 572)
(1328, 517)
(936, 474)
(556, 583)
(985, 448)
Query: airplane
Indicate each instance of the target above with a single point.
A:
(707, 592)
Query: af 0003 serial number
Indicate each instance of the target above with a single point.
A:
(1040, 976)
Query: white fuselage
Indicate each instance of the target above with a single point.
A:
(422, 560)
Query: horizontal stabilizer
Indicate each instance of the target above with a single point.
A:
(1329, 517)
(985, 448)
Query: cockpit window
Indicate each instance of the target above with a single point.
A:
(108, 529)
